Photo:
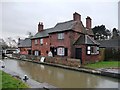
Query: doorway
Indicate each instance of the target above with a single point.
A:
(52, 50)
(78, 54)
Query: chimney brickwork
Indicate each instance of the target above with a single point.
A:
(40, 27)
(88, 22)
(76, 17)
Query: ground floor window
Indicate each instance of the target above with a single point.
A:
(36, 53)
(92, 50)
(29, 52)
(61, 51)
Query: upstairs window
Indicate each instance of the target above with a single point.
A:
(60, 36)
(93, 50)
(41, 41)
(36, 41)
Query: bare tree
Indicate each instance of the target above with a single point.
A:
(30, 34)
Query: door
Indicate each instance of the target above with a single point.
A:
(78, 54)
(52, 49)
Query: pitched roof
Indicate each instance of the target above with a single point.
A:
(85, 39)
(25, 43)
(89, 32)
(110, 43)
(43, 33)
(63, 26)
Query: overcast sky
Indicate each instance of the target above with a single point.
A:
(17, 17)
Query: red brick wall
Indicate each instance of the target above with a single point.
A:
(43, 48)
(69, 38)
(24, 50)
(55, 42)
(87, 58)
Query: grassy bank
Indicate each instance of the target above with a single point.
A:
(10, 82)
(0, 79)
(104, 64)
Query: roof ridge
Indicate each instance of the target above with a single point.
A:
(48, 28)
(65, 22)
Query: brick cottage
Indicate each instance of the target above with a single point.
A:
(69, 39)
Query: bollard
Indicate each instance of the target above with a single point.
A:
(25, 78)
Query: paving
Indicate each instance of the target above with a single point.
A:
(110, 70)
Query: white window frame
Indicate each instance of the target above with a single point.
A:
(88, 50)
(36, 53)
(60, 36)
(41, 41)
(61, 51)
(93, 50)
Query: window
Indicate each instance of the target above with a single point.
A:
(60, 35)
(36, 53)
(29, 52)
(60, 51)
(66, 51)
(36, 41)
(88, 50)
(92, 50)
(41, 41)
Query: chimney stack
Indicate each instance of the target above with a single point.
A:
(76, 17)
(40, 27)
(88, 22)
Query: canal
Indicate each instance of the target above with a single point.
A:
(59, 77)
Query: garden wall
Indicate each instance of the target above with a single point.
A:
(56, 60)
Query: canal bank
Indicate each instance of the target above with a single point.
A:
(30, 82)
(59, 77)
(101, 72)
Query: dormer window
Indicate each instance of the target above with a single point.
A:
(60, 36)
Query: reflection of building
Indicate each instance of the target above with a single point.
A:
(119, 15)
(69, 39)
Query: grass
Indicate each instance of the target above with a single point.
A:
(10, 82)
(0, 79)
(104, 64)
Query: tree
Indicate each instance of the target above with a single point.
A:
(101, 32)
(3, 44)
(116, 33)
(11, 42)
(29, 34)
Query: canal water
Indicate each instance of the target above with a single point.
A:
(59, 77)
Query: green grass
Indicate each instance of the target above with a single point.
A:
(104, 64)
(10, 82)
(0, 79)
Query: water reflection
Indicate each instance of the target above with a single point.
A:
(61, 77)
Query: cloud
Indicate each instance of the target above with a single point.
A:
(21, 16)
